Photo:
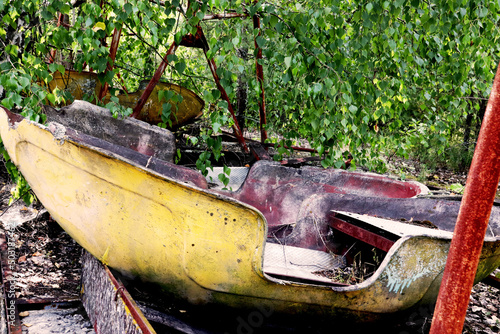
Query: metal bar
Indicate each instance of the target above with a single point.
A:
(153, 82)
(53, 52)
(223, 16)
(472, 221)
(130, 303)
(112, 54)
(299, 160)
(260, 77)
(122, 81)
(361, 234)
(213, 68)
(305, 149)
(492, 280)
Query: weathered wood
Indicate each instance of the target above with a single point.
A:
(108, 304)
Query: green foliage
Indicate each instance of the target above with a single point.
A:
(116, 109)
(457, 188)
(21, 189)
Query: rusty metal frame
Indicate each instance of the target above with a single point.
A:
(154, 81)
(472, 222)
(13, 322)
(113, 48)
(53, 52)
(197, 41)
(213, 69)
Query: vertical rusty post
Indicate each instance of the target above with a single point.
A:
(260, 78)
(213, 68)
(472, 222)
(112, 54)
(153, 82)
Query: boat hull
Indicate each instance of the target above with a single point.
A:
(87, 85)
(202, 247)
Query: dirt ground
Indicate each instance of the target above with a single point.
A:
(48, 264)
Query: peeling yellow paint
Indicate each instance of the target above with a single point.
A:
(104, 257)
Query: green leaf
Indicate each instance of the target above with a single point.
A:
(12, 50)
(261, 42)
(392, 45)
(24, 82)
(53, 67)
(180, 66)
(8, 103)
(315, 124)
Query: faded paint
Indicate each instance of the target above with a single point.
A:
(427, 264)
(87, 84)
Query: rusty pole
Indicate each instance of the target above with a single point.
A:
(260, 78)
(472, 221)
(154, 81)
(112, 55)
(213, 68)
(53, 52)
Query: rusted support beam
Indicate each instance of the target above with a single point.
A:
(193, 41)
(472, 222)
(360, 233)
(112, 55)
(299, 161)
(153, 82)
(492, 280)
(8, 265)
(260, 77)
(224, 16)
(213, 68)
(53, 52)
(296, 148)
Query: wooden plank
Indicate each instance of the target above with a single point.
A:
(109, 306)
